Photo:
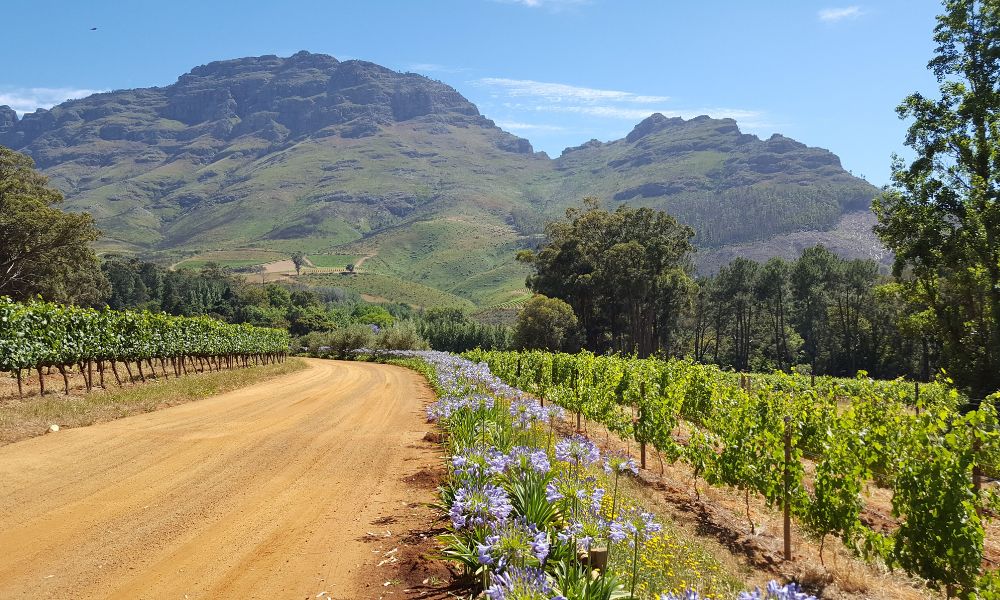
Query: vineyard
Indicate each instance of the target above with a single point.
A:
(43, 335)
(757, 436)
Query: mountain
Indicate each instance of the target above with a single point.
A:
(350, 159)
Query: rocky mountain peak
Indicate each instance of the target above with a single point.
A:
(651, 124)
(8, 118)
(268, 98)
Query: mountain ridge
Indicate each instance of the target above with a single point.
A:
(328, 156)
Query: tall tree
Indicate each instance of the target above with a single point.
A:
(812, 276)
(620, 271)
(772, 290)
(942, 215)
(298, 260)
(44, 250)
(736, 284)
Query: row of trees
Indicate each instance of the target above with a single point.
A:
(821, 312)
(627, 277)
(835, 315)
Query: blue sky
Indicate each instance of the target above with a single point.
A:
(558, 72)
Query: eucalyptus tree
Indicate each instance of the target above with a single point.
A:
(625, 273)
(941, 215)
(44, 250)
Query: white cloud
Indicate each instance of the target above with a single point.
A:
(433, 68)
(24, 100)
(561, 92)
(522, 97)
(749, 118)
(519, 126)
(833, 15)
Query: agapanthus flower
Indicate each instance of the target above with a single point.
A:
(526, 413)
(552, 492)
(620, 463)
(685, 595)
(473, 464)
(775, 591)
(516, 543)
(528, 583)
(554, 412)
(596, 497)
(526, 458)
(634, 524)
(616, 531)
(476, 505)
(583, 534)
(578, 450)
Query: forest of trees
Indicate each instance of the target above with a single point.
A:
(627, 276)
(820, 313)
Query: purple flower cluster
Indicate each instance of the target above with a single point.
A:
(577, 450)
(477, 505)
(634, 524)
(775, 591)
(514, 544)
(554, 412)
(523, 458)
(528, 583)
(685, 595)
(620, 463)
(526, 413)
(475, 465)
(446, 406)
(584, 534)
(457, 375)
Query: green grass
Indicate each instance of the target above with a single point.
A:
(32, 415)
(333, 261)
(198, 264)
(378, 287)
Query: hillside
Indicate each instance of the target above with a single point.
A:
(730, 186)
(350, 158)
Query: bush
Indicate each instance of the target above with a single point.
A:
(401, 336)
(546, 324)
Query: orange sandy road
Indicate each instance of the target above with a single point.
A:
(264, 492)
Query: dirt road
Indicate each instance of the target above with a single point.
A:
(272, 491)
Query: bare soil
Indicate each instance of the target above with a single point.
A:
(312, 485)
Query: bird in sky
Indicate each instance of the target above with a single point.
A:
(93, 29)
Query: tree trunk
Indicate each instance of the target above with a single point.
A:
(114, 369)
(62, 371)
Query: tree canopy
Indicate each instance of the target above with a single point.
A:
(942, 214)
(45, 251)
(546, 324)
(625, 274)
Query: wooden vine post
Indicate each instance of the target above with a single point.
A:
(638, 424)
(786, 501)
(977, 471)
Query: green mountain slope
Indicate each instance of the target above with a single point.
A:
(329, 157)
(731, 187)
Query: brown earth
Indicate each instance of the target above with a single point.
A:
(299, 487)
